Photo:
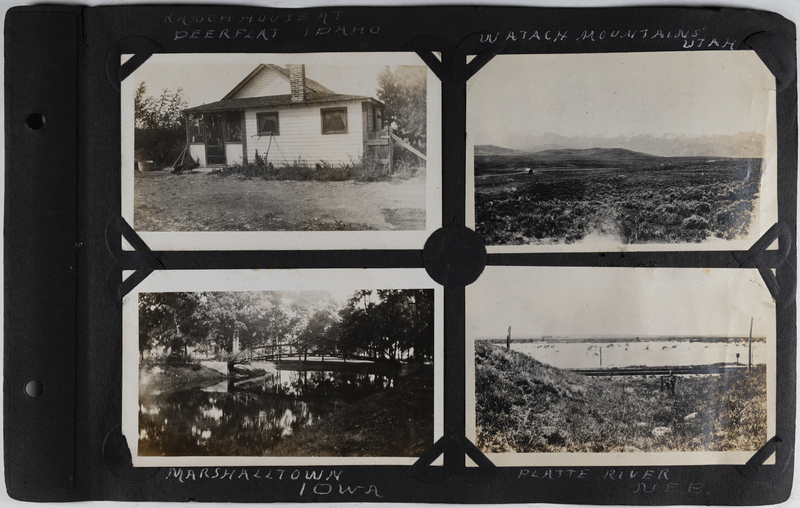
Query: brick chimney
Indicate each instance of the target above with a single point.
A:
(297, 82)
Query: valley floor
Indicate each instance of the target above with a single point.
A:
(686, 204)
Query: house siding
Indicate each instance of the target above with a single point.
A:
(301, 135)
(233, 153)
(198, 153)
(267, 82)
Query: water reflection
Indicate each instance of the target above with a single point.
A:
(250, 416)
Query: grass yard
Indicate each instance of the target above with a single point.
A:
(198, 201)
(523, 405)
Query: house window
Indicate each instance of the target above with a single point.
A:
(377, 119)
(334, 121)
(233, 126)
(196, 131)
(268, 123)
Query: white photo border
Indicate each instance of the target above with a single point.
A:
(269, 280)
(290, 240)
(623, 459)
(763, 219)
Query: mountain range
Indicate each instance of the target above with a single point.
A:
(742, 144)
(495, 150)
(572, 157)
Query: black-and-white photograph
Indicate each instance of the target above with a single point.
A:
(335, 373)
(651, 366)
(655, 151)
(281, 143)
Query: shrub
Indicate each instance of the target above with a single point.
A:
(671, 219)
(694, 222)
(259, 167)
(365, 169)
(699, 207)
(368, 169)
(405, 164)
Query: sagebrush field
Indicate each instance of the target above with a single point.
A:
(565, 196)
(523, 405)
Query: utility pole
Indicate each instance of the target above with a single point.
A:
(508, 339)
(750, 347)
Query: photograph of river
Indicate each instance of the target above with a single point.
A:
(347, 371)
(642, 351)
(653, 366)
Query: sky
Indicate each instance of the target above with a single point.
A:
(620, 94)
(208, 78)
(592, 302)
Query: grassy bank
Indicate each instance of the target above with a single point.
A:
(395, 422)
(163, 377)
(525, 406)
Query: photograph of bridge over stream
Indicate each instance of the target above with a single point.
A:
(286, 373)
(622, 366)
(657, 151)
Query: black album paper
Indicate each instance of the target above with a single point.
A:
(408, 254)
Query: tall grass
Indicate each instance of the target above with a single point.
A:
(365, 169)
(523, 405)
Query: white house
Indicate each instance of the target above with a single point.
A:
(285, 116)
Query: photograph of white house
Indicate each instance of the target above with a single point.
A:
(279, 144)
(277, 105)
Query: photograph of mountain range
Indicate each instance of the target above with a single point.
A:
(624, 156)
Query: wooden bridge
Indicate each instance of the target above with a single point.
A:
(278, 352)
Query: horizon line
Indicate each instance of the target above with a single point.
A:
(622, 337)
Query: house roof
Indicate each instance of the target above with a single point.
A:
(272, 101)
(315, 94)
(311, 85)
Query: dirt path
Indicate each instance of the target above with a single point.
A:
(207, 202)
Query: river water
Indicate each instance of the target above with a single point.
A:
(565, 355)
(251, 416)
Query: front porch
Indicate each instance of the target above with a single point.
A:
(216, 140)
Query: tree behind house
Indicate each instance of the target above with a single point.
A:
(159, 125)
(405, 94)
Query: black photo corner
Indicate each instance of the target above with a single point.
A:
(401, 254)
